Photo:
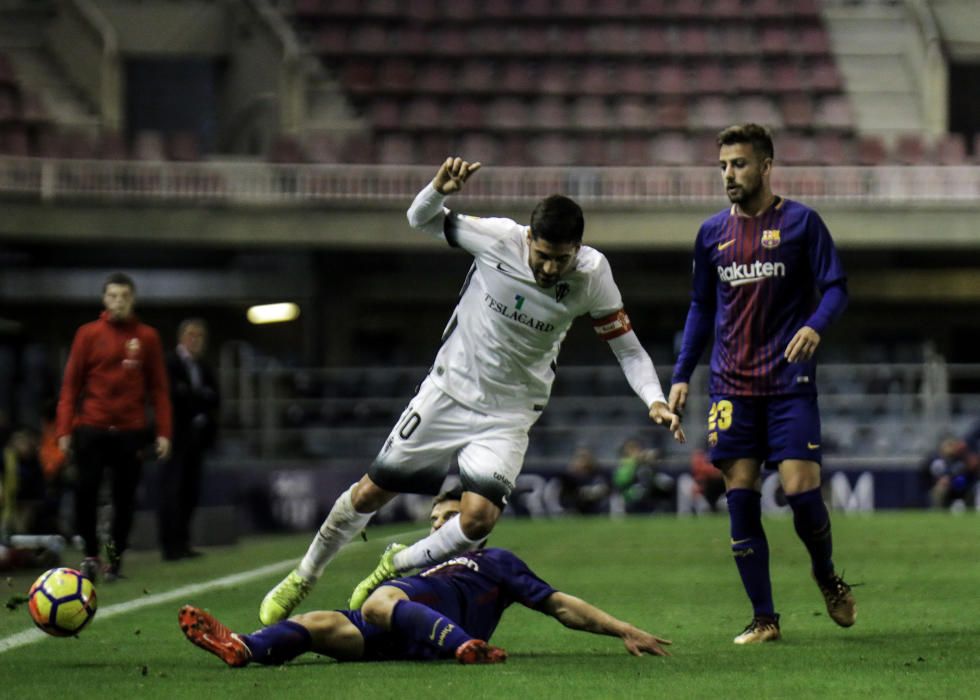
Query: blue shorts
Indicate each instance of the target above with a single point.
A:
(767, 428)
(382, 645)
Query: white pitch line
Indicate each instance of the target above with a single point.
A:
(33, 635)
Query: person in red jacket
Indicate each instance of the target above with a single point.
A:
(115, 367)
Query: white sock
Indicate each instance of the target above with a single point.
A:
(341, 525)
(439, 546)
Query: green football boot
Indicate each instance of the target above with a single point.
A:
(283, 599)
(384, 571)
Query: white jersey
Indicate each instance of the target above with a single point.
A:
(500, 346)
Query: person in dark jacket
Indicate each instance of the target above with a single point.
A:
(194, 395)
(114, 369)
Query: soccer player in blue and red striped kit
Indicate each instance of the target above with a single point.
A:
(758, 266)
(446, 611)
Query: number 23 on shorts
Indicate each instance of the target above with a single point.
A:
(719, 418)
(720, 415)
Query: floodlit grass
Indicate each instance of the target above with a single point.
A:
(917, 634)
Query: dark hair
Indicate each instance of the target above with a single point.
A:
(758, 136)
(187, 322)
(118, 278)
(453, 494)
(558, 219)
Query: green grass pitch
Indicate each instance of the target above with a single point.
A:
(917, 633)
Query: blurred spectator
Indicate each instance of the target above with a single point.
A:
(643, 488)
(115, 366)
(952, 473)
(585, 486)
(22, 484)
(194, 397)
(710, 481)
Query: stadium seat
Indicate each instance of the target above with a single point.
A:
(910, 149)
(422, 113)
(548, 112)
(468, 114)
(671, 114)
(396, 75)
(386, 113)
(596, 79)
(551, 149)
(795, 149)
(775, 39)
(633, 113)
(671, 149)
(830, 149)
(710, 78)
(797, 110)
(671, 79)
(148, 145)
(508, 113)
(758, 109)
(111, 146)
(871, 151)
(183, 146)
(748, 76)
(517, 76)
(834, 111)
(950, 149)
(822, 76)
(711, 112)
(478, 147)
(476, 75)
(590, 113)
(396, 149)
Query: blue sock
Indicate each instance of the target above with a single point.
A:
(278, 643)
(423, 624)
(750, 548)
(812, 522)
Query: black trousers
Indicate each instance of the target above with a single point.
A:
(96, 451)
(180, 491)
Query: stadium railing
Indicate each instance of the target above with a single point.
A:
(874, 415)
(253, 183)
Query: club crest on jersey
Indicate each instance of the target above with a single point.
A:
(132, 358)
(561, 290)
(770, 238)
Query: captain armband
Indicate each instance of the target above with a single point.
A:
(612, 326)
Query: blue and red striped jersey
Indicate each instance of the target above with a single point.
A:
(758, 278)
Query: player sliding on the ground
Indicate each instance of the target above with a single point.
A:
(489, 383)
(449, 610)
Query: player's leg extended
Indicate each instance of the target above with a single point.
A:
(801, 482)
(488, 467)
(348, 516)
(324, 632)
(750, 547)
(391, 608)
(794, 436)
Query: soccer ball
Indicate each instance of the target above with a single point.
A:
(62, 602)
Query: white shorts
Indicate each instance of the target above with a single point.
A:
(434, 428)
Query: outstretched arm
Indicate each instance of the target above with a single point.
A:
(426, 212)
(576, 614)
(642, 377)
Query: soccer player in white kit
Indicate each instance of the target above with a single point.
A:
(489, 383)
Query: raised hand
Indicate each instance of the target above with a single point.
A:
(452, 174)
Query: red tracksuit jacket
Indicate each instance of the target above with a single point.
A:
(112, 369)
